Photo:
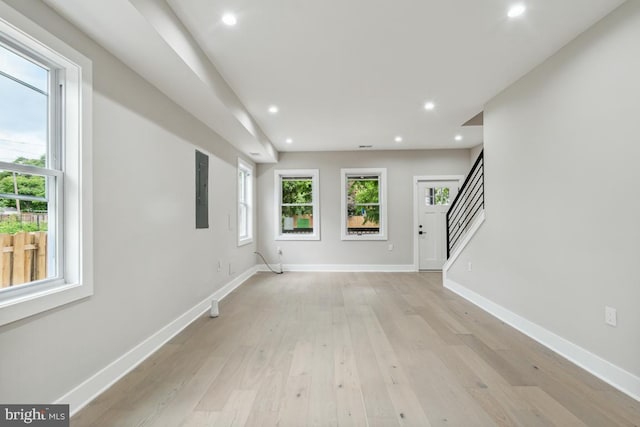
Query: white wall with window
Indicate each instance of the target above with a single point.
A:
(151, 266)
(245, 202)
(332, 252)
(45, 171)
(364, 204)
(297, 204)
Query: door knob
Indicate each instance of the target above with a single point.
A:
(421, 232)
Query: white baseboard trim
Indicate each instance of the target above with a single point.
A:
(381, 268)
(624, 381)
(91, 388)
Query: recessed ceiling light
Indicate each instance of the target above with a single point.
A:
(229, 19)
(289, 141)
(398, 139)
(273, 109)
(458, 138)
(429, 106)
(516, 10)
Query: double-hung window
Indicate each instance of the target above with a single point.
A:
(364, 209)
(297, 204)
(45, 180)
(245, 202)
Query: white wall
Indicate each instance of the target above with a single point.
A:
(151, 265)
(474, 152)
(562, 234)
(401, 167)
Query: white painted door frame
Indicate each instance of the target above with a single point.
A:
(416, 179)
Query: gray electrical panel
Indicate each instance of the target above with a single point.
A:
(202, 190)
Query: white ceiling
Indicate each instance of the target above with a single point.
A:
(342, 72)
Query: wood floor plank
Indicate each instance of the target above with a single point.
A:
(201, 419)
(152, 366)
(445, 401)
(545, 404)
(355, 349)
(187, 398)
(294, 407)
(378, 404)
(228, 380)
(350, 408)
(323, 407)
(405, 402)
(236, 410)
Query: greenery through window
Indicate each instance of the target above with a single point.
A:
(363, 205)
(437, 196)
(297, 205)
(46, 217)
(29, 176)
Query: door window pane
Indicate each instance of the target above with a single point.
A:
(437, 196)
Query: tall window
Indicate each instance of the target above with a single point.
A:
(364, 207)
(297, 205)
(245, 201)
(45, 251)
(30, 169)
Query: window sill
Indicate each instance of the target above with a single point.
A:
(364, 237)
(244, 242)
(298, 237)
(37, 302)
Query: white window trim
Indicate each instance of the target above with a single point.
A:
(382, 172)
(247, 167)
(277, 191)
(77, 281)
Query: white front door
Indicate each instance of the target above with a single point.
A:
(434, 198)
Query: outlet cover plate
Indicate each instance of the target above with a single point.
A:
(610, 316)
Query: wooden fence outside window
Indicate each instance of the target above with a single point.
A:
(23, 258)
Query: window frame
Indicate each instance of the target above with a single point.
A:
(345, 174)
(53, 170)
(315, 202)
(69, 162)
(247, 169)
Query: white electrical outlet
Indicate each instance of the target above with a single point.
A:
(610, 316)
(278, 250)
(390, 247)
(469, 266)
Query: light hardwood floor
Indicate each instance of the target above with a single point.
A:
(357, 349)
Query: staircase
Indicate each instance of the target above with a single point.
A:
(467, 206)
